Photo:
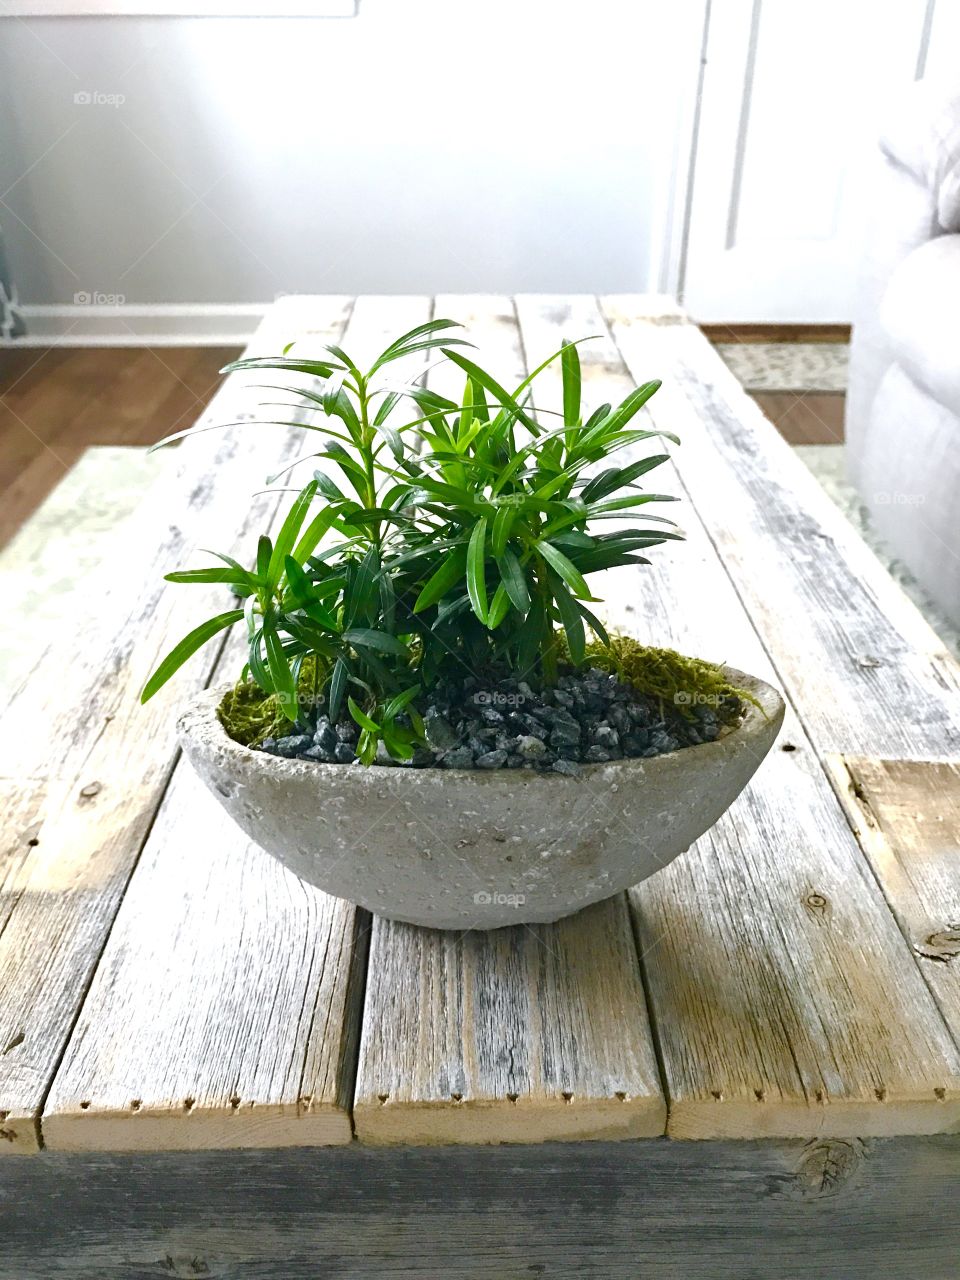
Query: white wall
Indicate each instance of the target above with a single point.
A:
(425, 145)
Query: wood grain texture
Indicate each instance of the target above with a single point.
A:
(225, 1009)
(75, 730)
(656, 1210)
(907, 817)
(866, 672)
(782, 994)
(523, 1034)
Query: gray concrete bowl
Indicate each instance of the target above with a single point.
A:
(471, 849)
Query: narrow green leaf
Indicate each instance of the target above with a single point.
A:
(564, 567)
(264, 555)
(442, 581)
(288, 533)
(280, 672)
(476, 561)
(187, 647)
(370, 638)
(338, 683)
(361, 717)
(571, 620)
(514, 581)
(502, 524)
(570, 370)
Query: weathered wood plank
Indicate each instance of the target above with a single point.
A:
(783, 997)
(823, 1210)
(523, 1034)
(76, 728)
(517, 1035)
(868, 675)
(907, 817)
(225, 1009)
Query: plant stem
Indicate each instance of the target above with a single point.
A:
(367, 438)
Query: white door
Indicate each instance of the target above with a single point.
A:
(793, 98)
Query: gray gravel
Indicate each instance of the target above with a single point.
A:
(589, 717)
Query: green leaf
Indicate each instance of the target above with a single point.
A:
(187, 647)
(441, 581)
(490, 383)
(338, 683)
(514, 581)
(571, 619)
(570, 369)
(318, 526)
(288, 533)
(361, 717)
(476, 562)
(280, 673)
(264, 555)
(502, 524)
(564, 567)
(370, 638)
(318, 368)
(499, 607)
(230, 577)
(618, 477)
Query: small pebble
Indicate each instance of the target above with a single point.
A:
(459, 758)
(292, 746)
(566, 767)
(492, 760)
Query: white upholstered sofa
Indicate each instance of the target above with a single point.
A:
(903, 402)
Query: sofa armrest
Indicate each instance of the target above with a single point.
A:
(920, 316)
(922, 137)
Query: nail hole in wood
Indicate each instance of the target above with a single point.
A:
(881, 1094)
(136, 1104)
(759, 1095)
(234, 1103)
(940, 1094)
(90, 790)
(307, 1100)
(512, 1097)
(716, 1095)
(819, 1095)
(382, 1097)
(788, 746)
(84, 1106)
(33, 842)
(3, 1116)
(620, 1096)
(189, 1104)
(567, 1097)
(457, 1097)
(16, 1040)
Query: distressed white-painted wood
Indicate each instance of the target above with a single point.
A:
(867, 673)
(523, 1034)
(906, 815)
(75, 728)
(781, 990)
(225, 1009)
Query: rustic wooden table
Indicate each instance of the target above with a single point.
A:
(222, 1072)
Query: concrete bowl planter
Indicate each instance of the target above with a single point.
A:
(462, 849)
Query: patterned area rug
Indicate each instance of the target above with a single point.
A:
(788, 366)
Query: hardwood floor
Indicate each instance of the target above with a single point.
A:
(55, 403)
(813, 417)
(58, 402)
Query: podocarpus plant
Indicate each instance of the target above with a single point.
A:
(459, 541)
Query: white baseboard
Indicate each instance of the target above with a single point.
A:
(97, 324)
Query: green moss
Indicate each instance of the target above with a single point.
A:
(674, 680)
(249, 715)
